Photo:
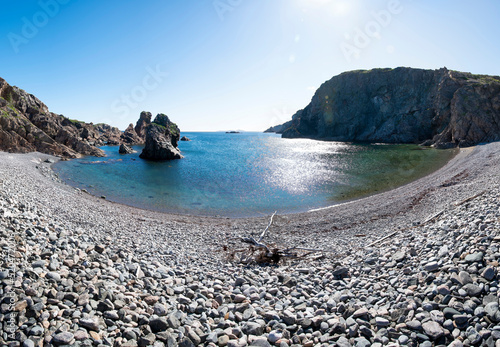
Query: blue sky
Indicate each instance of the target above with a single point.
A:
(227, 64)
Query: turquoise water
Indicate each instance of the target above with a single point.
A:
(250, 174)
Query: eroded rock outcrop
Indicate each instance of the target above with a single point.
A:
(162, 137)
(142, 123)
(26, 125)
(436, 107)
(129, 136)
(137, 135)
(125, 149)
(109, 135)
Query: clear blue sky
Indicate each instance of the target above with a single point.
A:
(227, 64)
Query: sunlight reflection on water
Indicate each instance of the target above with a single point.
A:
(250, 174)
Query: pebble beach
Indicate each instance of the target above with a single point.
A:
(414, 266)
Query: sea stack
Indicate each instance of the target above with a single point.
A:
(162, 137)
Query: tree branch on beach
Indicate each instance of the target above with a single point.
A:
(259, 252)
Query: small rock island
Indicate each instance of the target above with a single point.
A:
(162, 137)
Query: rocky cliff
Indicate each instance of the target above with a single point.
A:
(27, 125)
(435, 107)
(162, 137)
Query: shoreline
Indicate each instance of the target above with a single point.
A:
(374, 188)
(404, 205)
(90, 271)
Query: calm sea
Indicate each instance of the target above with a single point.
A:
(251, 174)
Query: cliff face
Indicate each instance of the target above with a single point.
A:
(27, 125)
(435, 107)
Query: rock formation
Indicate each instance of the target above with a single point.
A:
(435, 107)
(125, 149)
(26, 125)
(142, 123)
(184, 138)
(279, 128)
(130, 136)
(109, 135)
(162, 137)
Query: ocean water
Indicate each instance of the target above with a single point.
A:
(251, 174)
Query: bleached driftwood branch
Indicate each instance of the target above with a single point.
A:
(267, 228)
(261, 252)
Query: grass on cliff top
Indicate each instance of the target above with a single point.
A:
(74, 121)
(483, 79)
(368, 71)
(172, 127)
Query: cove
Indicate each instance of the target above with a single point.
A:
(251, 174)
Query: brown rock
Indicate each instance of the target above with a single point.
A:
(151, 300)
(26, 125)
(142, 123)
(129, 136)
(21, 306)
(94, 335)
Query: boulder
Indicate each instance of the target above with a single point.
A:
(184, 138)
(162, 137)
(124, 149)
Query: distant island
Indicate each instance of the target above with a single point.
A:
(442, 108)
(232, 132)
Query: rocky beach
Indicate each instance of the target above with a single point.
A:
(417, 265)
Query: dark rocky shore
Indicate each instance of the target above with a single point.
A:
(443, 108)
(414, 266)
(27, 125)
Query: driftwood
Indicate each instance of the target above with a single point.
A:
(429, 219)
(382, 239)
(470, 198)
(434, 216)
(259, 252)
(267, 228)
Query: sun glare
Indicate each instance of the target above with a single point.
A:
(333, 7)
